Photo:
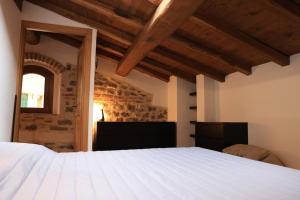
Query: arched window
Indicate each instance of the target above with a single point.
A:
(37, 90)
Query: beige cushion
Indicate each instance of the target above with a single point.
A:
(253, 152)
(272, 159)
(247, 151)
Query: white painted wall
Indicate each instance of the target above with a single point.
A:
(59, 51)
(185, 115)
(269, 100)
(32, 12)
(35, 13)
(9, 51)
(172, 99)
(158, 88)
(206, 99)
(179, 102)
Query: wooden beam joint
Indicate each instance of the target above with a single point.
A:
(169, 15)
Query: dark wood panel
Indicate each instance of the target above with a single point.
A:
(135, 135)
(219, 135)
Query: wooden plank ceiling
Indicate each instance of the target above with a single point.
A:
(210, 37)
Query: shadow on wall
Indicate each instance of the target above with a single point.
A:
(124, 102)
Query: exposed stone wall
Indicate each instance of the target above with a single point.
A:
(54, 131)
(124, 102)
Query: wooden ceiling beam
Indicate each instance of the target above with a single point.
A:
(102, 44)
(108, 52)
(102, 28)
(173, 71)
(111, 32)
(191, 69)
(169, 15)
(135, 24)
(155, 2)
(147, 66)
(156, 68)
(110, 17)
(274, 55)
(151, 63)
(233, 63)
(287, 7)
(188, 64)
(105, 51)
(104, 10)
(151, 72)
(32, 37)
(66, 13)
(114, 49)
(65, 39)
(129, 39)
(114, 34)
(185, 68)
(142, 68)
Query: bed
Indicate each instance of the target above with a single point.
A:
(30, 171)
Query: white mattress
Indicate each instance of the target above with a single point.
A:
(34, 172)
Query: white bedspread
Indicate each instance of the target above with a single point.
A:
(34, 172)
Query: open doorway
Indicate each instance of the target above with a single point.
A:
(52, 106)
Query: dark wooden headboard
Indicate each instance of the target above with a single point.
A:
(134, 135)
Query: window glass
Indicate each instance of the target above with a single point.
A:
(33, 91)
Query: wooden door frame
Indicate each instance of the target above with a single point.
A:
(82, 114)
